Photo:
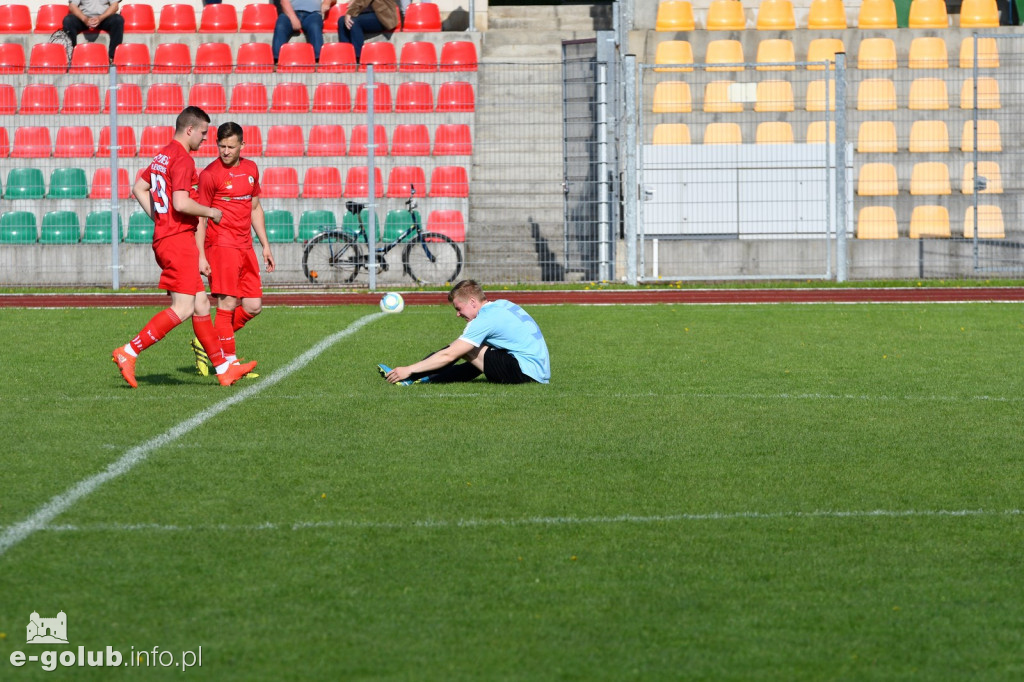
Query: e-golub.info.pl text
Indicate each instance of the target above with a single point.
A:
(110, 658)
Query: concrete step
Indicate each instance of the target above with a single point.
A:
(596, 17)
(527, 45)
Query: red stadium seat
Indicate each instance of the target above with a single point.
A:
(337, 58)
(209, 146)
(126, 146)
(448, 223)
(74, 142)
(5, 144)
(422, 17)
(138, 18)
(359, 143)
(414, 97)
(285, 140)
(8, 99)
(326, 140)
(214, 57)
(322, 182)
(49, 18)
(47, 58)
(90, 58)
(81, 98)
(296, 58)
(39, 98)
(452, 139)
(402, 179)
(381, 98)
(153, 139)
(455, 96)
(280, 182)
(164, 98)
(248, 98)
(357, 182)
(290, 97)
(334, 15)
(253, 141)
(331, 98)
(209, 97)
(458, 55)
(32, 142)
(101, 184)
(172, 58)
(15, 19)
(381, 54)
(129, 99)
(178, 18)
(220, 18)
(418, 56)
(12, 58)
(449, 181)
(255, 58)
(410, 139)
(132, 58)
(258, 18)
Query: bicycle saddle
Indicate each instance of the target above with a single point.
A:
(354, 207)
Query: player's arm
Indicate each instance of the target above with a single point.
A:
(259, 224)
(141, 190)
(183, 203)
(447, 355)
(204, 265)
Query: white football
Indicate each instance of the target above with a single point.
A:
(392, 303)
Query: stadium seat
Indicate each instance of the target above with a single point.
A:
(25, 183)
(774, 132)
(49, 18)
(81, 98)
(129, 99)
(139, 18)
(402, 179)
(178, 18)
(381, 54)
(15, 18)
(877, 14)
(140, 228)
(928, 14)
(331, 98)
(776, 54)
(877, 222)
(776, 15)
(314, 221)
(219, 18)
(824, 49)
(18, 227)
(826, 14)
(209, 97)
(126, 145)
(455, 96)
(172, 58)
(987, 170)
(449, 223)
(32, 142)
(414, 97)
(987, 95)
(74, 142)
(396, 223)
(673, 52)
(669, 133)
(101, 183)
(460, 55)
(39, 99)
(47, 58)
(774, 96)
(989, 139)
(410, 139)
(296, 58)
(725, 15)
(988, 53)
(254, 58)
(280, 226)
(214, 57)
(326, 140)
(929, 221)
(97, 228)
(357, 182)
(446, 181)
(334, 15)
(258, 18)
(89, 58)
(418, 56)
(153, 140)
(285, 140)
(60, 227)
(12, 58)
(716, 97)
(337, 58)
(928, 94)
(672, 97)
(877, 180)
(358, 144)
(381, 98)
(253, 141)
(132, 58)
(248, 98)
(9, 100)
(322, 182)
(674, 15)
(930, 178)
(928, 53)
(990, 223)
(877, 137)
(453, 139)
(164, 98)
(724, 52)
(929, 137)
(422, 17)
(723, 133)
(208, 148)
(876, 53)
(979, 14)
(289, 97)
(876, 94)
(280, 182)
(816, 95)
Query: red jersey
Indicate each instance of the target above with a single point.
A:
(231, 190)
(171, 170)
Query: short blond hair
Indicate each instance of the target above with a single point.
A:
(467, 288)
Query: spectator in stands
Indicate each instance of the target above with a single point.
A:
(95, 15)
(301, 15)
(366, 16)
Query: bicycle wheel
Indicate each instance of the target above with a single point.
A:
(332, 258)
(432, 258)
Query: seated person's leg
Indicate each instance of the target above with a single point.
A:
(313, 29)
(73, 26)
(282, 34)
(114, 26)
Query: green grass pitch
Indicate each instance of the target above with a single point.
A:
(818, 492)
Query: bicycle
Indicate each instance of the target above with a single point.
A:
(337, 257)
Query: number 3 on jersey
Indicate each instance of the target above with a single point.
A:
(158, 188)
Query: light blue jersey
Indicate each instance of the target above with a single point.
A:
(503, 324)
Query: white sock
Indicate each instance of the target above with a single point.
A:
(130, 351)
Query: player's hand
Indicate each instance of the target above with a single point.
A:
(204, 267)
(398, 374)
(268, 258)
(217, 215)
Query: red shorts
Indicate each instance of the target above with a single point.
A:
(178, 258)
(235, 272)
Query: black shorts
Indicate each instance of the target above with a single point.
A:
(501, 367)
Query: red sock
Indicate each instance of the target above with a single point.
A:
(203, 327)
(156, 329)
(241, 317)
(222, 324)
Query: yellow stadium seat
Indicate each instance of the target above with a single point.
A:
(816, 95)
(724, 52)
(929, 137)
(930, 178)
(876, 14)
(877, 180)
(672, 97)
(877, 222)
(726, 15)
(717, 100)
(928, 14)
(877, 137)
(928, 53)
(979, 14)
(827, 14)
(988, 53)
(876, 53)
(929, 94)
(824, 49)
(776, 15)
(774, 132)
(989, 139)
(990, 223)
(774, 96)
(989, 170)
(674, 15)
(723, 133)
(774, 51)
(876, 94)
(816, 132)
(929, 221)
(673, 52)
(988, 93)
(671, 133)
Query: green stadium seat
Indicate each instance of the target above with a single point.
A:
(18, 227)
(25, 183)
(280, 226)
(60, 227)
(350, 223)
(313, 222)
(140, 229)
(97, 228)
(68, 183)
(396, 222)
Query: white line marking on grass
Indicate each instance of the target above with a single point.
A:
(39, 520)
